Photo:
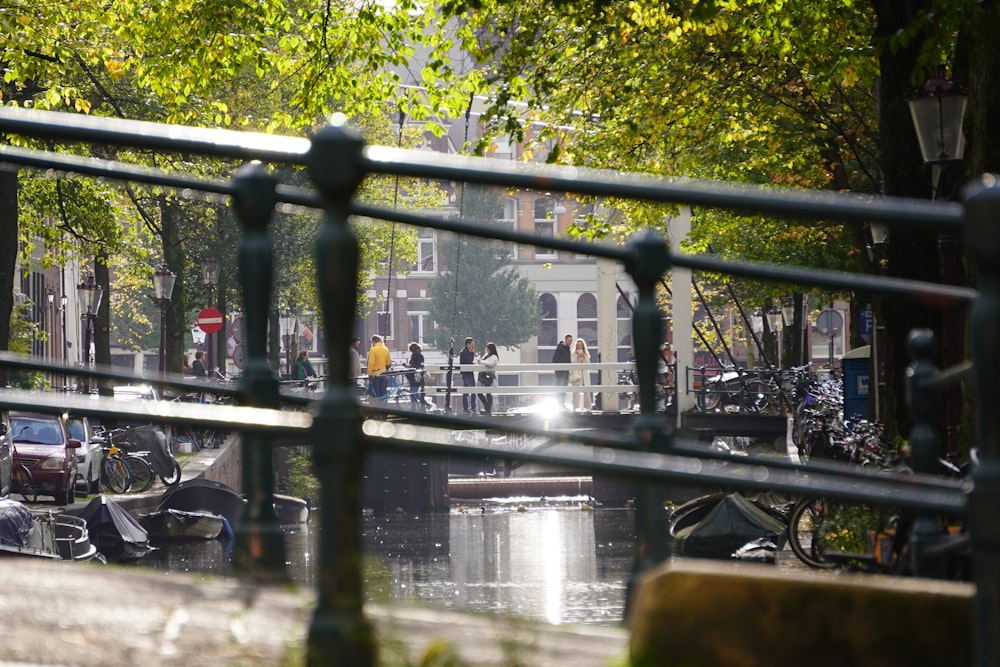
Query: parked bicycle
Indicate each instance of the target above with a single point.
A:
(21, 480)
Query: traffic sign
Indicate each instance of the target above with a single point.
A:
(210, 320)
(236, 330)
(240, 356)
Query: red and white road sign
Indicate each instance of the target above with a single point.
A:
(210, 320)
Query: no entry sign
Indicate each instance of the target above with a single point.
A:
(210, 320)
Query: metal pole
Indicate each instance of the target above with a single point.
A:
(339, 633)
(982, 233)
(260, 546)
(163, 335)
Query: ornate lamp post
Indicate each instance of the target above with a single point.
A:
(210, 278)
(774, 322)
(938, 109)
(90, 294)
(286, 321)
(163, 285)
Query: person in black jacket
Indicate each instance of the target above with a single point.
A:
(416, 378)
(562, 356)
(468, 356)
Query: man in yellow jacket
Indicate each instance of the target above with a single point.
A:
(379, 360)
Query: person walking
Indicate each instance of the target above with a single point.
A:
(578, 376)
(467, 357)
(354, 362)
(379, 361)
(562, 356)
(416, 378)
(488, 376)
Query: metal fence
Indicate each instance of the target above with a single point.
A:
(339, 431)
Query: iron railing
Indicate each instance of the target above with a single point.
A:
(340, 432)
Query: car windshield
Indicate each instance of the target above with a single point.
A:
(76, 430)
(36, 431)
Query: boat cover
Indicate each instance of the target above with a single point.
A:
(15, 523)
(151, 439)
(204, 495)
(729, 525)
(113, 530)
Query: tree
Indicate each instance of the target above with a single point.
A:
(481, 294)
(809, 94)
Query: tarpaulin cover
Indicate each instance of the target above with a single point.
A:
(204, 495)
(113, 530)
(150, 439)
(732, 523)
(15, 523)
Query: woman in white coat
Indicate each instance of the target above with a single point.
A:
(578, 376)
(488, 376)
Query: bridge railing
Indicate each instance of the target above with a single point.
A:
(340, 432)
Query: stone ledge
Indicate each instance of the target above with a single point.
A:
(690, 613)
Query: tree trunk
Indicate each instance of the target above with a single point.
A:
(102, 325)
(174, 257)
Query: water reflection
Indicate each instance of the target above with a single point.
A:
(549, 562)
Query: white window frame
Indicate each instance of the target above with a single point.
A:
(550, 221)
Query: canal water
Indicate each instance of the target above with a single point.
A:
(556, 561)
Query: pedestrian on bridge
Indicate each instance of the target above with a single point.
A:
(416, 378)
(379, 361)
(488, 376)
(578, 376)
(562, 356)
(468, 357)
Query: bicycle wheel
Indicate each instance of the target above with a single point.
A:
(22, 483)
(116, 475)
(174, 477)
(826, 533)
(142, 473)
(757, 395)
(708, 399)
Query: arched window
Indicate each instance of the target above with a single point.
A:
(586, 321)
(548, 334)
(624, 329)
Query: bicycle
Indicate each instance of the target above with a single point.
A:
(394, 391)
(116, 475)
(22, 482)
(141, 470)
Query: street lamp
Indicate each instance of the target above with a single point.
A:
(210, 278)
(938, 109)
(774, 322)
(50, 298)
(286, 321)
(90, 294)
(757, 328)
(163, 285)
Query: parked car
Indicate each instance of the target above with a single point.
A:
(44, 445)
(6, 457)
(89, 456)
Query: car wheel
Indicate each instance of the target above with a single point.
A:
(94, 483)
(71, 494)
(62, 497)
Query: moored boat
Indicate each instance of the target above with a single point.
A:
(117, 535)
(43, 534)
(172, 525)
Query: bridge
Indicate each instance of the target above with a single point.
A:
(342, 432)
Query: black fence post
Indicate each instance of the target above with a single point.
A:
(650, 261)
(925, 447)
(339, 633)
(260, 546)
(982, 242)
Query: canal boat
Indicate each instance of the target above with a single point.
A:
(173, 525)
(43, 534)
(117, 535)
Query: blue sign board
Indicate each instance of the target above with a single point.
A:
(865, 325)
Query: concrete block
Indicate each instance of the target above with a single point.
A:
(693, 613)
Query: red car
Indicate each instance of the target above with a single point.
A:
(42, 443)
